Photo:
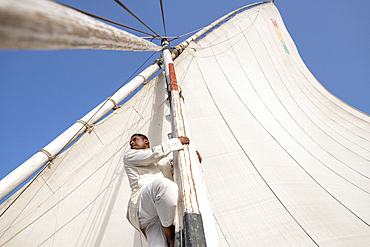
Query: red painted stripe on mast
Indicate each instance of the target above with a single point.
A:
(173, 79)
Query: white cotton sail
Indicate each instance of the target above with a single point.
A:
(47, 25)
(285, 163)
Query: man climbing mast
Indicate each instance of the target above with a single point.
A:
(153, 201)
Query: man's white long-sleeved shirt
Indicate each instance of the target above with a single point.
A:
(144, 166)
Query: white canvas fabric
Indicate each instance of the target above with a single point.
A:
(282, 165)
(285, 162)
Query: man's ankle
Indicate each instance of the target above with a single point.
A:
(170, 235)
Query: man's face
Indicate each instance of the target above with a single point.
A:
(137, 142)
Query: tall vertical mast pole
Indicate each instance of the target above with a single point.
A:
(193, 231)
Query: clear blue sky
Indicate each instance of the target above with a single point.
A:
(44, 92)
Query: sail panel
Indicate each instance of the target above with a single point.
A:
(318, 177)
(316, 92)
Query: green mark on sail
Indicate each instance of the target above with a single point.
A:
(285, 48)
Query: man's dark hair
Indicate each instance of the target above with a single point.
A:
(144, 137)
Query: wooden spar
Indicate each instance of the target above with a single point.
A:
(28, 168)
(187, 161)
(46, 25)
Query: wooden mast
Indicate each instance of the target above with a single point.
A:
(187, 160)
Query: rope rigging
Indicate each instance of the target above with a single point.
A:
(155, 36)
(104, 19)
(123, 6)
(164, 24)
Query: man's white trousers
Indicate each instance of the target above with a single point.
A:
(157, 208)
